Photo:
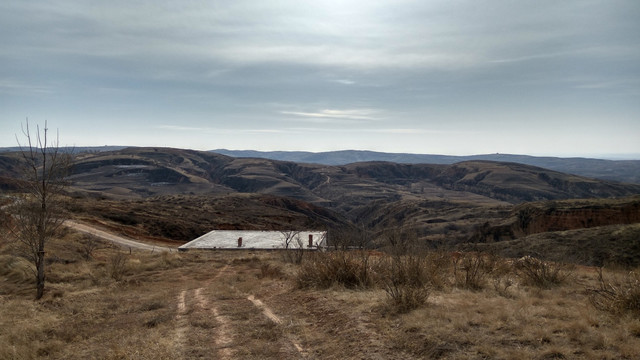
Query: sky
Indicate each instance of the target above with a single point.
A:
(559, 78)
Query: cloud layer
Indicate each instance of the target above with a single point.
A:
(526, 76)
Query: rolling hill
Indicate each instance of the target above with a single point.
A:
(143, 172)
(442, 203)
(614, 170)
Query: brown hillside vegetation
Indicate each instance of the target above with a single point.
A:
(549, 216)
(143, 172)
(576, 214)
(182, 218)
(614, 245)
(243, 305)
(442, 203)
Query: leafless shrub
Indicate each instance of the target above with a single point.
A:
(407, 282)
(323, 270)
(88, 244)
(117, 266)
(405, 298)
(471, 270)
(541, 274)
(437, 269)
(502, 276)
(617, 296)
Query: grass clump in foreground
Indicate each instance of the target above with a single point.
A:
(541, 274)
(618, 296)
(406, 283)
(180, 305)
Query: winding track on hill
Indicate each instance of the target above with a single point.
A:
(116, 239)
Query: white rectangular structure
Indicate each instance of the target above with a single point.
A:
(264, 240)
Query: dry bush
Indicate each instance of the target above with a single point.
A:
(323, 270)
(541, 274)
(502, 276)
(117, 266)
(471, 270)
(293, 256)
(407, 282)
(270, 271)
(88, 245)
(16, 269)
(404, 298)
(437, 269)
(617, 296)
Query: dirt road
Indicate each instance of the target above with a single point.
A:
(119, 240)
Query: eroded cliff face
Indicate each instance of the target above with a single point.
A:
(550, 216)
(533, 219)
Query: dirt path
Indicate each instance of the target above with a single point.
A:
(119, 240)
(222, 337)
(212, 326)
(193, 304)
(268, 312)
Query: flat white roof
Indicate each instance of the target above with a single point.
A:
(251, 239)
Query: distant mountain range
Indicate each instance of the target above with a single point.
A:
(614, 170)
(626, 171)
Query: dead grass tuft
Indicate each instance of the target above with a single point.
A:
(541, 274)
(471, 270)
(617, 296)
(268, 270)
(16, 269)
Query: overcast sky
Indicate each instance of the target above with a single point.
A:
(441, 77)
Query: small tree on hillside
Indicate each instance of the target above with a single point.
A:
(39, 214)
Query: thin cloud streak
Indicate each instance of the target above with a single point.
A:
(351, 114)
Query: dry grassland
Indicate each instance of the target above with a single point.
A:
(242, 305)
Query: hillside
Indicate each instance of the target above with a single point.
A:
(550, 216)
(614, 170)
(143, 172)
(611, 245)
(441, 203)
(182, 218)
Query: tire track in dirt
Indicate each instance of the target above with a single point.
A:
(222, 336)
(181, 319)
(273, 317)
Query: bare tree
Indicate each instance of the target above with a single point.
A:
(357, 236)
(289, 237)
(294, 246)
(39, 213)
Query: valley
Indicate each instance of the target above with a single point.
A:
(175, 195)
(477, 259)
